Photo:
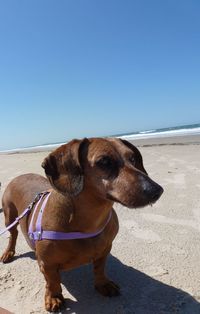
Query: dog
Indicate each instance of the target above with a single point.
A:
(84, 177)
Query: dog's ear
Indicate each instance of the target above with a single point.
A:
(138, 157)
(64, 167)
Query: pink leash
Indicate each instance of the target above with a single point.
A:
(16, 221)
(24, 213)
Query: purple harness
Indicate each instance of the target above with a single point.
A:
(40, 234)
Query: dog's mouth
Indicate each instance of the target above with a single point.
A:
(114, 199)
(129, 205)
(135, 204)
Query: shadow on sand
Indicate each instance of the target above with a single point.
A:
(30, 254)
(140, 294)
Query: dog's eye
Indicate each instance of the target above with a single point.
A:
(104, 162)
(132, 160)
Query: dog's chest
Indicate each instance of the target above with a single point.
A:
(85, 251)
(69, 254)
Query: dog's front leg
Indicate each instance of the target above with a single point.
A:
(53, 294)
(102, 284)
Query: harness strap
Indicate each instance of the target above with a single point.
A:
(38, 227)
(57, 235)
(33, 215)
(40, 234)
(30, 229)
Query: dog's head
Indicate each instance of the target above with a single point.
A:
(110, 168)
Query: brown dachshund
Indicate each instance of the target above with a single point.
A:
(87, 177)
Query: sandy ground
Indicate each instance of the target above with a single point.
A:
(155, 257)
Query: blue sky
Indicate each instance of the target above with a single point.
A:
(75, 68)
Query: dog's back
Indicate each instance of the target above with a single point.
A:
(21, 191)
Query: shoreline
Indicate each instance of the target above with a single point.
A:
(142, 142)
(170, 140)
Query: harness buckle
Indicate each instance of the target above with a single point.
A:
(35, 236)
(31, 236)
(39, 235)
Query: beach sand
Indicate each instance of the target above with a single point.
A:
(155, 256)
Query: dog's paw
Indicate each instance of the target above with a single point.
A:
(7, 256)
(54, 304)
(108, 289)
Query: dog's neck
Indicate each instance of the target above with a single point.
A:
(92, 210)
(86, 212)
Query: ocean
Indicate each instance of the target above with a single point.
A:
(184, 130)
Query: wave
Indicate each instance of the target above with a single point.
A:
(149, 131)
(32, 149)
(167, 133)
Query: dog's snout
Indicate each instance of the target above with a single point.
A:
(151, 189)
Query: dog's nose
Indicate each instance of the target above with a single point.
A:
(152, 190)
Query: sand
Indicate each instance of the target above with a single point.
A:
(155, 257)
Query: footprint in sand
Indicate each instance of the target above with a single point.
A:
(177, 179)
(196, 213)
(6, 280)
(140, 233)
(172, 221)
(193, 169)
